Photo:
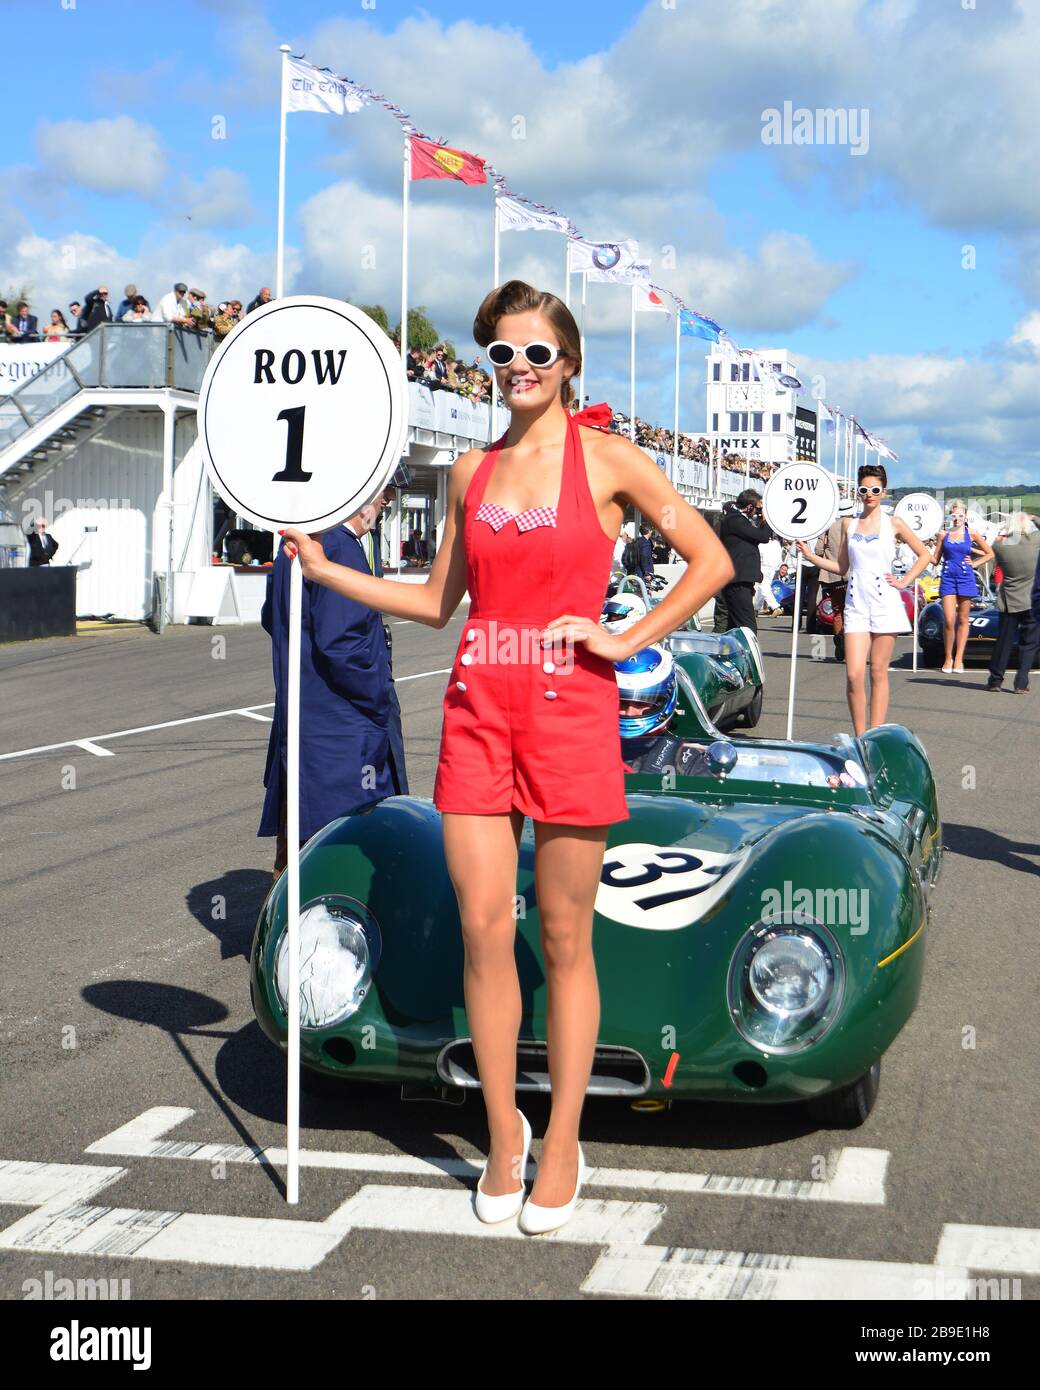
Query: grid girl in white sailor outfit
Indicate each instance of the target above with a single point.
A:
(874, 612)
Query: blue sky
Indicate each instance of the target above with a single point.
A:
(641, 121)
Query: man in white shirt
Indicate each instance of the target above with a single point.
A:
(173, 307)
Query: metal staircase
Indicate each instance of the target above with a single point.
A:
(116, 364)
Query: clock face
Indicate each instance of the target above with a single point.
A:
(755, 395)
(737, 395)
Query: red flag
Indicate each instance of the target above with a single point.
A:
(430, 161)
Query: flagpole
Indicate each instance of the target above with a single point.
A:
(407, 160)
(836, 416)
(675, 421)
(494, 284)
(632, 370)
(279, 262)
(567, 272)
(581, 377)
(747, 461)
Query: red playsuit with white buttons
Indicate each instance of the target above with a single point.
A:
(525, 727)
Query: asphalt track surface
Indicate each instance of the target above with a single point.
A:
(122, 991)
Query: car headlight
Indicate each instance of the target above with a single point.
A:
(786, 983)
(339, 951)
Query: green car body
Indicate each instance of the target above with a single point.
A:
(720, 681)
(707, 867)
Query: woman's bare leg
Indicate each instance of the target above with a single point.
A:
(856, 645)
(481, 854)
(963, 628)
(949, 607)
(568, 863)
(881, 647)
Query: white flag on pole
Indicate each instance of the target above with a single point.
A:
(878, 444)
(515, 216)
(592, 256)
(648, 299)
(308, 88)
(634, 273)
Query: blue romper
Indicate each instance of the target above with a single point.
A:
(958, 577)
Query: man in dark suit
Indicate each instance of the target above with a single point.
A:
(42, 547)
(644, 553)
(742, 532)
(347, 699)
(23, 327)
(96, 309)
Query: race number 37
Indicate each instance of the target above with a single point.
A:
(800, 501)
(303, 413)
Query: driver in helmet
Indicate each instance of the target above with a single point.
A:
(647, 696)
(621, 611)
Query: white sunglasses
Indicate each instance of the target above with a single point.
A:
(538, 353)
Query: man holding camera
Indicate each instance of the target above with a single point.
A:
(742, 531)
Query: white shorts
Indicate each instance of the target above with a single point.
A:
(869, 608)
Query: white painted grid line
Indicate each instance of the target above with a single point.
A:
(648, 1271)
(89, 744)
(858, 1175)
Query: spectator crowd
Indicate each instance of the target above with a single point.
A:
(182, 306)
(438, 369)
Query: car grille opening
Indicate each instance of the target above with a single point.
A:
(616, 1071)
(341, 1051)
(751, 1074)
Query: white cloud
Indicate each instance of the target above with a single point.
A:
(64, 268)
(115, 154)
(220, 199)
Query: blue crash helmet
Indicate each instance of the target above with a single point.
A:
(647, 679)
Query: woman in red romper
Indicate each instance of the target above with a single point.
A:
(531, 712)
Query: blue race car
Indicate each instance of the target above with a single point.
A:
(982, 633)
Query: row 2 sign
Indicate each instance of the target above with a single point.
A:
(800, 501)
(303, 413)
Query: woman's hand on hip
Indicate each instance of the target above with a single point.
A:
(568, 629)
(308, 548)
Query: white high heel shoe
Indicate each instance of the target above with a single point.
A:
(537, 1221)
(507, 1204)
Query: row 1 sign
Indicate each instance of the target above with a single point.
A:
(303, 413)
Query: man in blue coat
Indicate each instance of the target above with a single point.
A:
(351, 748)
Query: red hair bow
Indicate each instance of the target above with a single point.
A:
(598, 416)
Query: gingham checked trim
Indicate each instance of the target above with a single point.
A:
(496, 516)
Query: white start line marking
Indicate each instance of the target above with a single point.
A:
(64, 1220)
(857, 1175)
(92, 744)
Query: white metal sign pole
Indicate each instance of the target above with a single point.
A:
(303, 416)
(292, 830)
(800, 502)
(794, 642)
(923, 514)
